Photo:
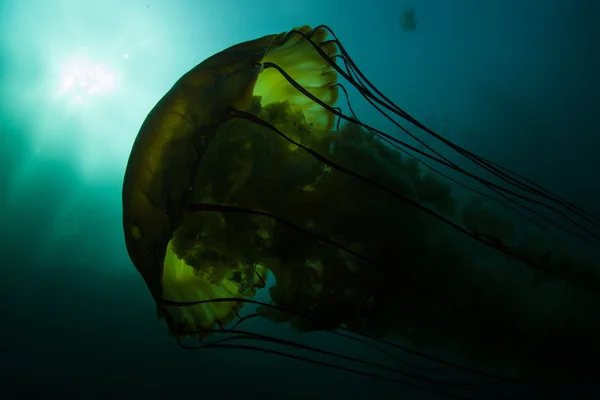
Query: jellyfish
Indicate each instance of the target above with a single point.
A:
(248, 167)
(408, 21)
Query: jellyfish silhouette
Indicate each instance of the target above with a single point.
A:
(246, 166)
(408, 20)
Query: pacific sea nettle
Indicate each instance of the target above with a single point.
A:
(246, 166)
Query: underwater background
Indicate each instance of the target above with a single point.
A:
(514, 81)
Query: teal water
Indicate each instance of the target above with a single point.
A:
(513, 81)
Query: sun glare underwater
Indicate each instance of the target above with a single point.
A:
(270, 216)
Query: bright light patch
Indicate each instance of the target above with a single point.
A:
(82, 78)
(83, 91)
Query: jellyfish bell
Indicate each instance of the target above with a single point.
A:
(238, 170)
(172, 141)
